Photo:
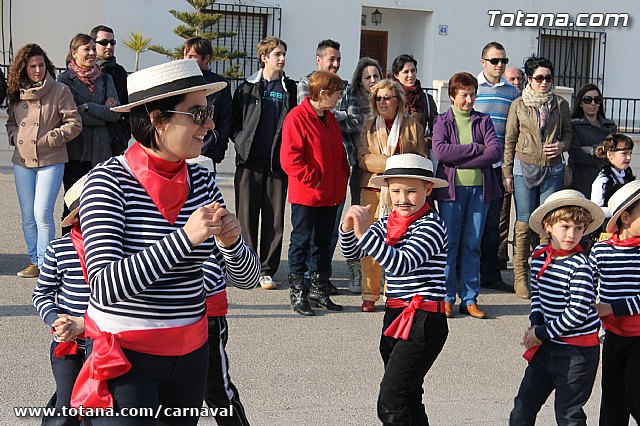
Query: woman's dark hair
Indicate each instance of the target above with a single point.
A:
(578, 112)
(141, 127)
(77, 41)
(461, 80)
(18, 70)
(356, 80)
(398, 64)
(533, 62)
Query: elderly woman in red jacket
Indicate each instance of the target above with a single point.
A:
(313, 157)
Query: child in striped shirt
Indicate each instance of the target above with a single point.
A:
(61, 298)
(615, 268)
(411, 245)
(561, 344)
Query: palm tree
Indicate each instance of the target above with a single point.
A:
(138, 43)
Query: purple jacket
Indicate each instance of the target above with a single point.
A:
(451, 155)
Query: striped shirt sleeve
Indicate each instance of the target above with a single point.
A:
(49, 281)
(240, 265)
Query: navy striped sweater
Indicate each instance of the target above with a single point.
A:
(143, 271)
(616, 270)
(561, 299)
(415, 265)
(61, 288)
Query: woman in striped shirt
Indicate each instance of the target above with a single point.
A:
(149, 221)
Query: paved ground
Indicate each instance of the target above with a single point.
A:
(292, 370)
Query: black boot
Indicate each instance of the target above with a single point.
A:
(298, 294)
(319, 293)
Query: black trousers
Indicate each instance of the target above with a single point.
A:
(171, 381)
(305, 222)
(570, 370)
(260, 202)
(406, 363)
(620, 380)
(65, 372)
(220, 391)
(489, 268)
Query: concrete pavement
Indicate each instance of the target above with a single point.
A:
(292, 370)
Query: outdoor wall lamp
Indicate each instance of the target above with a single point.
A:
(376, 17)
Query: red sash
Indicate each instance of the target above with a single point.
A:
(584, 340)
(107, 361)
(217, 305)
(78, 244)
(67, 348)
(401, 326)
(397, 225)
(166, 182)
(551, 253)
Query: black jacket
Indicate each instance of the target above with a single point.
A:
(585, 166)
(247, 107)
(216, 142)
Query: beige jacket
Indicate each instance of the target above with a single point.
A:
(522, 136)
(40, 124)
(370, 157)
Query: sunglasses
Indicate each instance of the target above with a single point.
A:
(199, 115)
(589, 99)
(540, 78)
(105, 42)
(496, 61)
(385, 97)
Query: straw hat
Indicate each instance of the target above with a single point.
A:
(166, 80)
(411, 166)
(565, 198)
(620, 201)
(72, 200)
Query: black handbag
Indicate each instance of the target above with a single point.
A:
(119, 132)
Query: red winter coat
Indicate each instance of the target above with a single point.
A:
(314, 158)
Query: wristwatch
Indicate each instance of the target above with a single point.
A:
(593, 151)
(85, 107)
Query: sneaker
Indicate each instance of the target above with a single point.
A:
(30, 271)
(267, 283)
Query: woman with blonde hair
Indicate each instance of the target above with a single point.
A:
(42, 119)
(388, 132)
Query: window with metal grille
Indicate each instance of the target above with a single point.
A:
(251, 24)
(577, 56)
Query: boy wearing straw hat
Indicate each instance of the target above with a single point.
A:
(562, 345)
(61, 298)
(615, 267)
(411, 245)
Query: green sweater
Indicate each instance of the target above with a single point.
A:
(465, 177)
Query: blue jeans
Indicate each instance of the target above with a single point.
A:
(527, 200)
(305, 222)
(38, 190)
(464, 217)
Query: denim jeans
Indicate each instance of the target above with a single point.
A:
(527, 200)
(38, 190)
(307, 221)
(465, 218)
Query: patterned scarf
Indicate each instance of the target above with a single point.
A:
(388, 145)
(416, 101)
(86, 75)
(531, 98)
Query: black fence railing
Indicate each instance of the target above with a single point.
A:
(625, 112)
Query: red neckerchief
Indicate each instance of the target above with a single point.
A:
(78, 244)
(551, 253)
(627, 242)
(397, 225)
(165, 181)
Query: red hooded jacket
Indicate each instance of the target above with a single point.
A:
(314, 158)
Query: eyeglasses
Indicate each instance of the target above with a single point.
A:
(589, 99)
(199, 115)
(385, 97)
(105, 42)
(495, 61)
(540, 78)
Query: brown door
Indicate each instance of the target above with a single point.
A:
(374, 45)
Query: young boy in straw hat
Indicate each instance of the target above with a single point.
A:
(411, 245)
(615, 267)
(61, 297)
(562, 341)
